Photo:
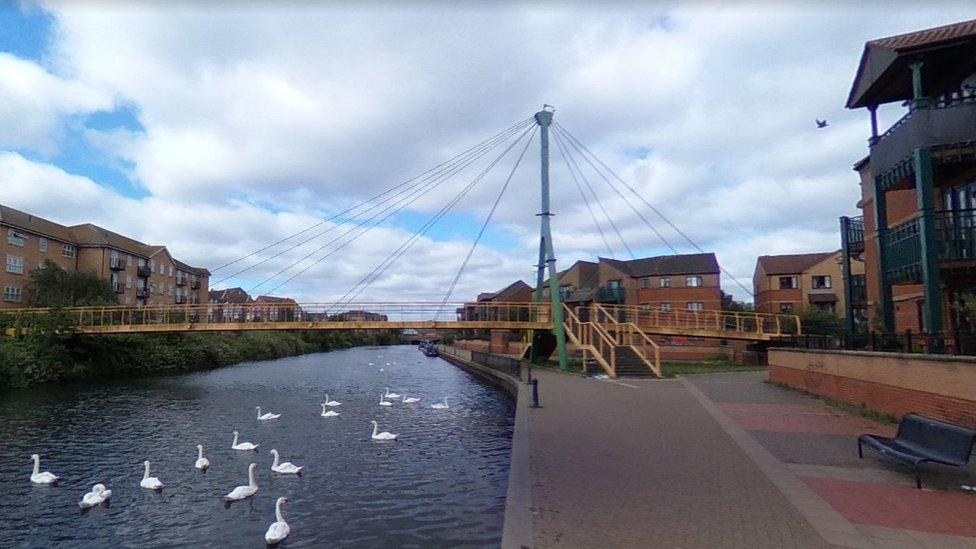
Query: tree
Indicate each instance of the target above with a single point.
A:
(52, 286)
(730, 304)
(820, 322)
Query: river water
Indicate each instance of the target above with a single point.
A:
(441, 484)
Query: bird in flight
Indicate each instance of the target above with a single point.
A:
(821, 123)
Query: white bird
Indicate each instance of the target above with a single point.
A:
(440, 405)
(331, 402)
(410, 400)
(286, 468)
(370, 363)
(244, 492)
(41, 478)
(384, 402)
(267, 416)
(279, 529)
(390, 395)
(149, 482)
(202, 463)
(381, 436)
(330, 413)
(97, 496)
(243, 445)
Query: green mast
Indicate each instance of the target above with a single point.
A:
(547, 257)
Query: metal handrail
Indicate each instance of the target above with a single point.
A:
(632, 329)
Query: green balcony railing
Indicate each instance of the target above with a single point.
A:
(903, 258)
(611, 295)
(956, 234)
(859, 289)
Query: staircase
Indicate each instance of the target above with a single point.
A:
(631, 364)
(616, 347)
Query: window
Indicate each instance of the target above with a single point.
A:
(613, 284)
(11, 293)
(15, 264)
(128, 301)
(128, 259)
(128, 281)
(152, 265)
(693, 281)
(42, 244)
(821, 282)
(787, 282)
(645, 283)
(665, 307)
(786, 307)
(67, 250)
(15, 238)
(40, 264)
(696, 306)
(645, 307)
(666, 282)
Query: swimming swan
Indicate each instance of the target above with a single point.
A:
(331, 402)
(279, 529)
(244, 492)
(329, 413)
(243, 445)
(286, 468)
(202, 463)
(381, 436)
(384, 402)
(41, 478)
(97, 496)
(440, 405)
(149, 482)
(390, 395)
(410, 400)
(267, 416)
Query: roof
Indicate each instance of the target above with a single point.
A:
(948, 53)
(34, 224)
(790, 264)
(190, 269)
(272, 299)
(88, 234)
(679, 264)
(507, 293)
(229, 295)
(582, 295)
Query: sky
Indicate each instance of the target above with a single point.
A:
(217, 128)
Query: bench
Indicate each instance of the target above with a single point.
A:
(922, 439)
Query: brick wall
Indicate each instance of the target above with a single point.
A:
(942, 387)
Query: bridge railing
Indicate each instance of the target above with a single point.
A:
(729, 323)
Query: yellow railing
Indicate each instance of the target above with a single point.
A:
(592, 340)
(708, 323)
(629, 334)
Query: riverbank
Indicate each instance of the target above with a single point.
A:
(47, 357)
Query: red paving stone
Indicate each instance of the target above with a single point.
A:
(801, 418)
(895, 506)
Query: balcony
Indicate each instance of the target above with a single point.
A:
(195, 283)
(120, 288)
(943, 123)
(859, 290)
(142, 293)
(852, 232)
(180, 280)
(611, 295)
(116, 263)
(143, 271)
(903, 255)
(180, 299)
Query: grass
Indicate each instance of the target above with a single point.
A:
(671, 369)
(843, 406)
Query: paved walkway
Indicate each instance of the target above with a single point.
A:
(712, 461)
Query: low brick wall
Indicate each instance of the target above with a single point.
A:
(942, 387)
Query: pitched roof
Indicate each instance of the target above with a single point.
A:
(790, 264)
(272, 299)
(229, 295)
(507, 293)
(190, 269)
(704, 263)
(88, 234)
(34, 224)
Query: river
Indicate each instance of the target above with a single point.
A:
(441, 484)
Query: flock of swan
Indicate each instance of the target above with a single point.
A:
(278, 530)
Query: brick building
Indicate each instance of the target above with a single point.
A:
(791, 283)
(917, 234)
(229, 305)
(141, 274)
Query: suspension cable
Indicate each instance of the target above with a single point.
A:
(586, 200)
(484, 225)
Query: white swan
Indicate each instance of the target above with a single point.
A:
(97, 496)
(41, 478)
(440, 405)
(243, 492)
(381, 436)
(330, 413)
(243, 445)
(390, 395)
(331, 402)
(149, 482)
(267, 416)
(410, 400)
(202, 463)
(384, 402)
(286, 468)
(279, 529)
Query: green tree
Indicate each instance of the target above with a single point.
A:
(730, 304)
(820, 322)
(52, 286)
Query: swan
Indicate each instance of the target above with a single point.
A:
(384, 402)
(243, 445)
(390, 395)
(267, 416)
(330, 413)
(410, 400)
(279, 529)
(149, 482)
(440, 405)
(202, 463)
(381, 436)
(41, 478)
(97, 496)
(286, 468)
(243, 492)
(331, 402)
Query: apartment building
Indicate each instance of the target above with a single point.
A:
(516, 292)
(791, 283)
(917, 231)
(276, 308)
(140, 274)
(229, 305)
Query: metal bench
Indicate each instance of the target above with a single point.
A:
(922, 439)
